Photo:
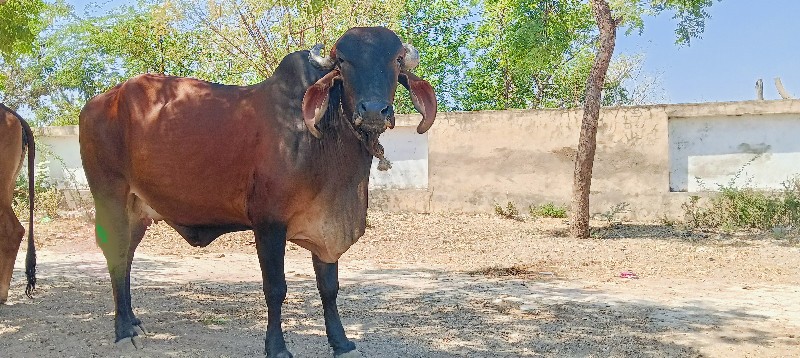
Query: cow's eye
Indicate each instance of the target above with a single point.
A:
(400, 60)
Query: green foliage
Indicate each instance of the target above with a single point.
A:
(20, 23)
(47, 197)
(86, 56)
(737, 208)
(229, 41)
(548, 210)
(529, 54)
(214, 320)
(536, 54)
(489, 54)
(435, 28)
(690, 15)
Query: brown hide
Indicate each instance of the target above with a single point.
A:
(11, 231)
(206, 155)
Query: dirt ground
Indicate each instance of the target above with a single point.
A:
(428, 285)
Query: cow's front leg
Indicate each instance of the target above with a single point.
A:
(328, 286)
(271, 246)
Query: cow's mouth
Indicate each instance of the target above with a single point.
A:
(370, 136)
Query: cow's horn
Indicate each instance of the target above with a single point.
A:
(316, 58)
(411, 60)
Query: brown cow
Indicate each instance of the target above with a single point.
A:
(288, 158)
(15, 138)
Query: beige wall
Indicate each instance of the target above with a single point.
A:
(477, 159)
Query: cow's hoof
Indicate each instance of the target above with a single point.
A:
(129, 343)
(351, 354)
(282, 354)
(140, 330)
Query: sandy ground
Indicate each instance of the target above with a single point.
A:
(421, 285)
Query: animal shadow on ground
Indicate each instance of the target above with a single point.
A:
(387, 312)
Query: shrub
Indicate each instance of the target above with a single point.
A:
(548, 210)
(47, 197)
(509, 212)
(612, 214)
(746, 208)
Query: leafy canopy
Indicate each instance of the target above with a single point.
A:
(478, 54)
(20, 23)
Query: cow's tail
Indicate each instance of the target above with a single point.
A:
(30, 257)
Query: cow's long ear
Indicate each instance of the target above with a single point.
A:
(423, 98)
(315, 101)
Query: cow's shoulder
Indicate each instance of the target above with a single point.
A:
(296, 73)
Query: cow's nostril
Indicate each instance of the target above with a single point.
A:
(375, 111)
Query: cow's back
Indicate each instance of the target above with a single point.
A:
(187, 148)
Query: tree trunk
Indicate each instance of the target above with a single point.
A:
(584, 160)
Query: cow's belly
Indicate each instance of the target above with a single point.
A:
(192, 180)
(191, 203)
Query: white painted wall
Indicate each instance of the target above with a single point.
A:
(66, 165)
(407, 150)
(758, 151)
(479, 158)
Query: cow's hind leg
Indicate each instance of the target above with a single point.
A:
(137, 229)
(113, 234)
(271, 246)
(328, 286)
(11, 233)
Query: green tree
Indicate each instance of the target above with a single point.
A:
(436, 29)
(533, 54)
(258, 34)
(82, 57)
(20, 23)
(227, 41)
(690, 14)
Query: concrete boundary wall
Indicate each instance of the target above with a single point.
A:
(469, 161)
(477, 159)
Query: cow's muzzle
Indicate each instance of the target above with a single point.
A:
(374, 116)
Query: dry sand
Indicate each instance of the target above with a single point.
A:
(427, 285)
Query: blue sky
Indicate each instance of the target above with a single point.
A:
(742, 42)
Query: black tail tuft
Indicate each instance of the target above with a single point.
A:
(30, 258)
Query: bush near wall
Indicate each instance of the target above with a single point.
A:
(736, 208)
(47, 196)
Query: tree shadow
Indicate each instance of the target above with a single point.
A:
(645, 231)
(387, 312)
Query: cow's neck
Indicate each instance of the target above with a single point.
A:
(340, 153)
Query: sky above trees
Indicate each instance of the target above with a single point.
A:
(743, 41)
(532, 54)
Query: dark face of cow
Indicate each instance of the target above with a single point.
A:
(369, 62)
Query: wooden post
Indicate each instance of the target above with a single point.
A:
(760, 90)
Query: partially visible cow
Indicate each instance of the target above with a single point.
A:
(288, 158)
(15, 138)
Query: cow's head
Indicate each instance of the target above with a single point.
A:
(369, 62)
